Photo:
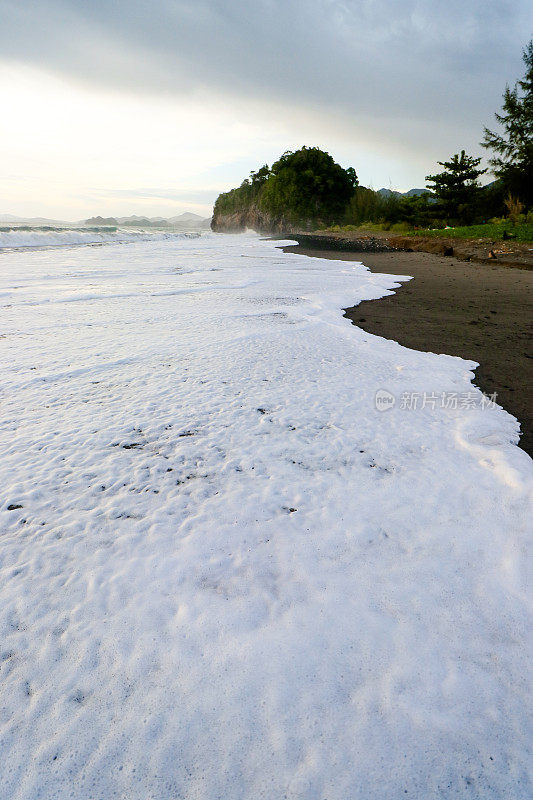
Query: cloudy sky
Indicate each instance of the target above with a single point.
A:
(155, 106)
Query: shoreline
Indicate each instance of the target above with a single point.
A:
(517, 255)
(480, 312)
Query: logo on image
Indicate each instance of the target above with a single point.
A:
(384, 400)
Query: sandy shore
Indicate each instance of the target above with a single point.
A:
(482, 312)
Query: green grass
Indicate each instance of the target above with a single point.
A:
(365, 227)
(521, 232)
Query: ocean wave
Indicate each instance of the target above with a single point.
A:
(27, 237)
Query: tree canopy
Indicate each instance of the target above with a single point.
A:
(456, 187)
(302, 186)
(513, 162)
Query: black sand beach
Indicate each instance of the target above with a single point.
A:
(482, 312)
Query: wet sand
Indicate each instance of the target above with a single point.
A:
(482, 312)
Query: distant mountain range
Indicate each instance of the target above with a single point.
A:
(14, 220)
(410, 193)
(186, 220)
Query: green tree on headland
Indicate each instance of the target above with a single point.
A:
(303, 188)
(513, 164)
(257, 179)
(307, 185)
(456, 187)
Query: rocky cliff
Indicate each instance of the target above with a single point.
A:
(256, 220)
(240, 221)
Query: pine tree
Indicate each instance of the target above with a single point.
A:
(457, 188)
(513, 164)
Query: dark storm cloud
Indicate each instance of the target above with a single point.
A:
(374, 60)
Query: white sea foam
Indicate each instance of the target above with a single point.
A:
(18, 238)
(224, 573)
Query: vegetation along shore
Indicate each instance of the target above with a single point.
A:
(307, 190)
